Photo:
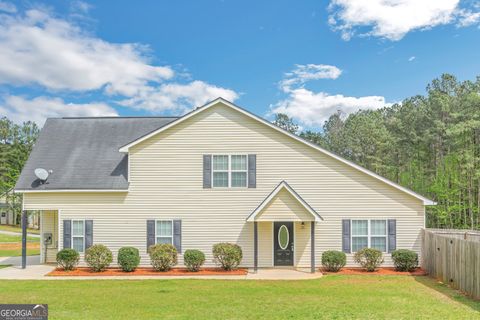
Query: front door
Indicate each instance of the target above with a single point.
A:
(283, 243)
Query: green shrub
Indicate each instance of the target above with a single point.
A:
(333, 260)
(68, 259)
(405, 260)
(162, 256)
(98, 257)
(193, 259)
(128, 258)
(228, 255)
(370, 259)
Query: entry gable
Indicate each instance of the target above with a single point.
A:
(284, 204)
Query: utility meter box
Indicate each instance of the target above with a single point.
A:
(47, 238)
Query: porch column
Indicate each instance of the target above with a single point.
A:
(24, 239)
(312, 246)
(255, 246)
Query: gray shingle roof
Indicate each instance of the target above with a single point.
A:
(83, 152)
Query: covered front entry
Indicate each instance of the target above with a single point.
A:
(283, 244)
(284, 230)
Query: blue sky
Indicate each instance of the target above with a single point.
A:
(307, 59)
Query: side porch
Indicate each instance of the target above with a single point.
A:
(49, 236)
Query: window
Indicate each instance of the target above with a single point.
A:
(220, 171)
(229, 171)
(78, 235)
(164, 231)
(239, 171)
(378, 235)
(369, 234)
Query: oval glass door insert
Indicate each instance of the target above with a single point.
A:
(283, 237)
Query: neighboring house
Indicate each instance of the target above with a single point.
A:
(7, 215)
(9, 208)
(217, 174)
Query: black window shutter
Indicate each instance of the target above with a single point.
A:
(88, 233)
(346, 236)
(252, 171)
(392, 235)
(150, 233)
(67, 234)
(177, 235)
(207, 171)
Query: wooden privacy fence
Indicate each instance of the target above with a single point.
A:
(454, 258)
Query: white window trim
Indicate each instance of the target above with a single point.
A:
(82, 236)
(369, 235)
(230, 170)
(171, 237)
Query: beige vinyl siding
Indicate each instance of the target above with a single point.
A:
(265, 244)
(284, 207)
(48, 224)
(166, 183)
(302, 244)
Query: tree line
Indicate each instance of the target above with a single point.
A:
(16, 142)
(428, 143)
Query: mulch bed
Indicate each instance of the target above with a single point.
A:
(379, 271)
(83, 271)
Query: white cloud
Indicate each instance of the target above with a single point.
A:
(313, 109)
(38, 48)
(308, 72)
(19, 109)
(392, 19)
(411, 58)
(178, 97)
(7, 7)
(468, 18)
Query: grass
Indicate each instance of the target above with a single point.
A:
(4, 266)
(11, 246)
(331, 297)
(10, 238)
(17, 229)
(17, 251)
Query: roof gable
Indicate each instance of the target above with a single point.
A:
(228, 104)
(284, 187)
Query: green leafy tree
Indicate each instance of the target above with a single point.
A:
(285, 122)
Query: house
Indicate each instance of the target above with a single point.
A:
(217, 174)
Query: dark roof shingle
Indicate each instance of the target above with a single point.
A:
(83, 152)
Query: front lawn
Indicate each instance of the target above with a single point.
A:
(331, 297)
(11, 245)
(12, 238)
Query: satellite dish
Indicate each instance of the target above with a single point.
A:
(42, 174)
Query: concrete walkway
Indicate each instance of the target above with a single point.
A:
(37, 271)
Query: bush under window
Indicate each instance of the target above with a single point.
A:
(98, 257)
(369, 258)
(405, 260)
(193, 259)
(162, 256)
(228, 255)
(333, 260)
(68, 259)
(128, 258)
